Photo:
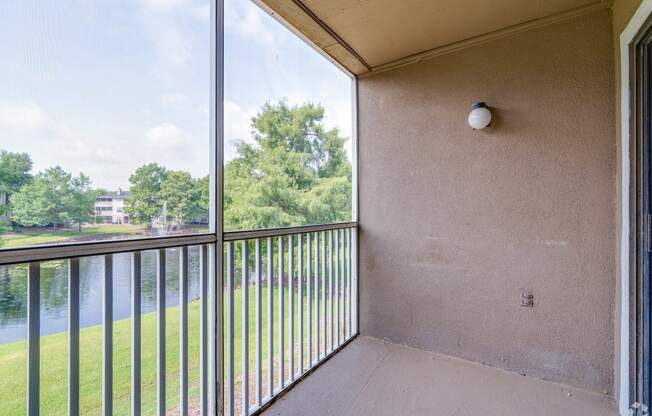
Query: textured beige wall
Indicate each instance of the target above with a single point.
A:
(454, 221)
(623, 10)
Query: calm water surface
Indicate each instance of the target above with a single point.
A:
(54, 291)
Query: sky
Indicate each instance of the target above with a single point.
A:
(105, 86)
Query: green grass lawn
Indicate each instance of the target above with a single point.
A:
(42, 236)
(53, 373)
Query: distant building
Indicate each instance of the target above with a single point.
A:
(109, 208)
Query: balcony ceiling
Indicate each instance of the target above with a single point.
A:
(375, 35)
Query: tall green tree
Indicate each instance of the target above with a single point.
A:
(296, 171)
(14, 171)
(201, 208)
(144, 201)
(81, 200)
(54, 197)
(179, 194)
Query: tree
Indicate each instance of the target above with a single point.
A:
(54, 197)
(81, 201)
(144, 201)
(295, 173)
(179, 193)
(201, 209)
(14, 171)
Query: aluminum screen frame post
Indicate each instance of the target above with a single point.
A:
(216, 214)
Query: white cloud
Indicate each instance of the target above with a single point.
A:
(237, 127)
(23, 116)
(247, 20)
(199, 9)
(170, 44)
(161, 6)
(204, 110)
(170, 26)
(202, 11)
(174, 98)
(165, 134)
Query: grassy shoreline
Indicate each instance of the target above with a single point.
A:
(89, 232)
(30, 237)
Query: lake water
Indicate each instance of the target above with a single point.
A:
(54, 291)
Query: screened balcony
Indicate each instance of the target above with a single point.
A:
(335, 208)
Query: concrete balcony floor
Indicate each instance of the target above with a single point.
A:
(373, 377)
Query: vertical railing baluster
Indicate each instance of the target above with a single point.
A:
(353, 280)
(309, 297)
(345, 285)
(135, 332)
(317, 297)
(270, 317)
(73, 337)
(216, 328)
(160, 333)
(343, 282)
(344, 288)
(291, 307)
(259, 323)
(245, 327)
(281, 317)
(107, 325)
(229, 327)
(300, 297)
(203, 330)
(348, 282)
(183, 330)
(323, 290)
(345, 316)
(347, 304)
(33, 337)
(338, 291)
(331, 296)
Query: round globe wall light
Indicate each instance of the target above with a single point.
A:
(480, 116)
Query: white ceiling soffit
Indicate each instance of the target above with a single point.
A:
(367, 36)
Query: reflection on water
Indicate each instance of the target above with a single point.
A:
(54, 291)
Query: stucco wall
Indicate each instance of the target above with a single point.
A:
(622, 11)
(454, 221)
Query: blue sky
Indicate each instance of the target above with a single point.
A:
(104, 86)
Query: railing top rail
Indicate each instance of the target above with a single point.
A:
(64, 251)
(94, 248)
(275, 232)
